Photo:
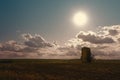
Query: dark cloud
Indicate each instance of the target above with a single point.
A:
(118, 40)
(94, 38)
(113, 32)
(35, 41)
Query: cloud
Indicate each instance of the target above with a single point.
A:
(106, 52)
(35, 41)
(94, 38)
(11, 55)
(113, 32)
(35, 46)
(104, 44)
(11, 46)
(69, 51)
(32, 47)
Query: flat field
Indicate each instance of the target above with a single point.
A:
(52, 69)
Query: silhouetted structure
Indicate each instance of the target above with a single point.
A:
(86, 55)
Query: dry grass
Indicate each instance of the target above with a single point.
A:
(58, 70)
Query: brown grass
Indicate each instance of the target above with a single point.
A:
(58, 70)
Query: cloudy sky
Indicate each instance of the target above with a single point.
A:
(44, 28)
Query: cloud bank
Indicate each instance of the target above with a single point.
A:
(104, 43)
(35, 46)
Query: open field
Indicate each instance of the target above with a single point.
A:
(34, 69)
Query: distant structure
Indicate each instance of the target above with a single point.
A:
(86, 55)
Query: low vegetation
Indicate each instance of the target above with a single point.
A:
(33, 69)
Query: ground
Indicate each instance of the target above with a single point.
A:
(35, 69)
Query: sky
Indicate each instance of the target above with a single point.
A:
(33, 25)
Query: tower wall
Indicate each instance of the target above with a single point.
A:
(86, 55)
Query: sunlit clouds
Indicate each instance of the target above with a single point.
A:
(103, 43)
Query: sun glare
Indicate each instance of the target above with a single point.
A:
(80, 18)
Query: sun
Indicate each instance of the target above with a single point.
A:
(80, 18)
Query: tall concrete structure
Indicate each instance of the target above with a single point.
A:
(86, 55)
